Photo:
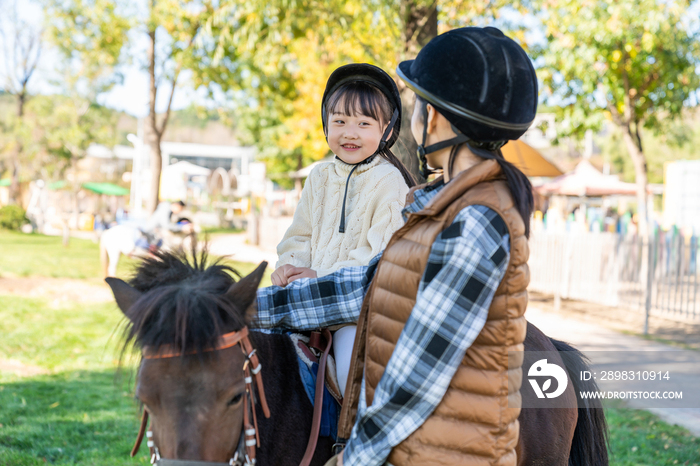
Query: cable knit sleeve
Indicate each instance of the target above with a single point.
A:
(295, 247)
(389, 199)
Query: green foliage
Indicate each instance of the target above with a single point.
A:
(286, 51)
(91, 35)
(12, 217)
(632, 61)
(680, 142)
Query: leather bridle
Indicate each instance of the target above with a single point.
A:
(250, 438)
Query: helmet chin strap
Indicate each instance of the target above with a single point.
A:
(423, 151)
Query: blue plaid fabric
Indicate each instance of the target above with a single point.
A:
(467, 262)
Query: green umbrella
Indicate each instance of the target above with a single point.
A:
(106, 188)
(56, 185)
(5, 182)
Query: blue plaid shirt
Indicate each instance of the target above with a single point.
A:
(467, 262)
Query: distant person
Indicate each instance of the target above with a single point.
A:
(165, 218)
(350, 207)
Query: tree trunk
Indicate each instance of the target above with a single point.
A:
(153, 135)
(420, 26)
(634, 147)
(15, 164)
(406, 147)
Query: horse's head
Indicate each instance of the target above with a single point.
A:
(177, 312)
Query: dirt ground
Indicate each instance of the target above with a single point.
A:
(683, 334)
(58, 290)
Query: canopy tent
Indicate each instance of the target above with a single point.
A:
(179, 177)
(109, 189)
(529, 160)
(185, 168)
(586, 180)
(106, 188)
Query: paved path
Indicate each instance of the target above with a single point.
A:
(605, 348)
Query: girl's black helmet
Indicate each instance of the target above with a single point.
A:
(374, 76)
(480, 80)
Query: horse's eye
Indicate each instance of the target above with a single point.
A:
(235, 399)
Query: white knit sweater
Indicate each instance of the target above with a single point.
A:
(376, 195)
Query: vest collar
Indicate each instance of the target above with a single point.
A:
(483, 171)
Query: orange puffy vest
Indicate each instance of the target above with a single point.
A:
(476, 423)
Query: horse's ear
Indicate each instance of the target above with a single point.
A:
(243, 293)
(125, 294)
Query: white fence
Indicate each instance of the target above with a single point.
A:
(611, 269)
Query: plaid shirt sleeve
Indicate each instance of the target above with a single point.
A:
(308, 304)
(466, 264)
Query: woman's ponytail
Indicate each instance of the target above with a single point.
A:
(519, 185)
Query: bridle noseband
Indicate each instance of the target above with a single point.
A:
(249, 439)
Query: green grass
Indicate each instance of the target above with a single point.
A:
(38, 255)
(70, 418)
(80, 413)
(59, 338)
(639, 438)
(45, 256)
(221, 231)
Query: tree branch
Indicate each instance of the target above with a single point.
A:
(421, 25)
(164, 123)
(615, 114)
(154, 86)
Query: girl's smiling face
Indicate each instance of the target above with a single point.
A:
(353, 138)
(358, 115)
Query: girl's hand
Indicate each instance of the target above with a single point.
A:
(295, 273)
(279, 276)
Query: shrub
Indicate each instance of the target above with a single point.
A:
(12, 217)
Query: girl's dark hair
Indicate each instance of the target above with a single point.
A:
(362, 98)
(519, 184)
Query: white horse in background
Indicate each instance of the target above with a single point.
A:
(118, 240)
(128, 239)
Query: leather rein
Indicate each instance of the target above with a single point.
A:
(245, 454)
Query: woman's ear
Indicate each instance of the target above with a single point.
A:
(432, 119)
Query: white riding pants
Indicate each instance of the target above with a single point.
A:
(343, 341)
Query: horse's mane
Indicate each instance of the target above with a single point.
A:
(184, 302)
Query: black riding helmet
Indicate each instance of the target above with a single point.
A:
(375, 76)
(480, 80)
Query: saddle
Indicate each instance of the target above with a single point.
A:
(309, 348)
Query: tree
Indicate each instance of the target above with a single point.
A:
(633, 62)
(21, 44)
(107, 32)
(296, 49)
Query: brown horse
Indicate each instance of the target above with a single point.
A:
(196, 399)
